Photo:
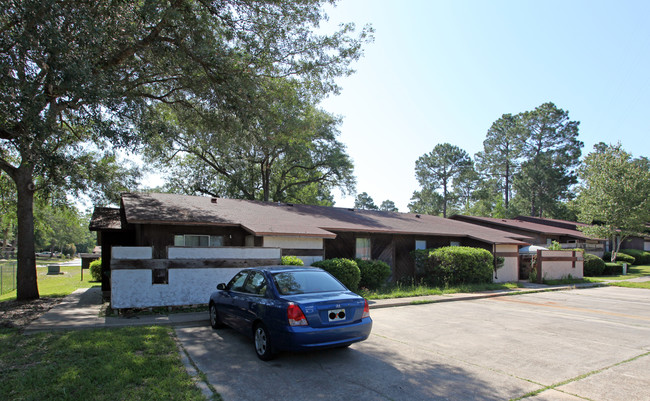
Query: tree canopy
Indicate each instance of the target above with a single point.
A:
(364, 201)
(553, 153)
(274, 152)
(388, 206)
(614, 195)
(79, 77)
(502, 150)
(440, 167)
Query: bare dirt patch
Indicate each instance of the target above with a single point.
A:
(19, 314)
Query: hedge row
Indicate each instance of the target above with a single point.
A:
(370, 274)
(595, 266)
(640, 257)
(291, 261)
(454, 265)
(620, 257)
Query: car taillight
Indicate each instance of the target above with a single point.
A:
(295, 316)
(366, 310)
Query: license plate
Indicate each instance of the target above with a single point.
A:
(336, 315)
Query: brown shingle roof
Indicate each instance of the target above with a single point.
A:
(105, 218)
(523, 225)
(264, 218)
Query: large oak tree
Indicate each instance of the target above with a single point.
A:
(80, 75)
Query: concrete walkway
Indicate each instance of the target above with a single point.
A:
(81, 309)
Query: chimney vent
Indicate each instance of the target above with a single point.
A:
(214, 200)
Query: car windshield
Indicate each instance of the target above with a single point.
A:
(302, 282)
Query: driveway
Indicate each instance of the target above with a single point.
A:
(569, 345)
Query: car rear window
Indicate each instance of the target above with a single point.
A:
(304, 282)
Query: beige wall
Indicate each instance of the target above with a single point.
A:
(134, 288)
(556, 270)
(510, 270)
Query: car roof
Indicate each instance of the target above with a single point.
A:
(285, 268)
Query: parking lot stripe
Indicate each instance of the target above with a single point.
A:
(571, 308)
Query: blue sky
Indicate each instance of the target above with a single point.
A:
(443, 71)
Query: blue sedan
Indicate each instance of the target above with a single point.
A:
(290, 308)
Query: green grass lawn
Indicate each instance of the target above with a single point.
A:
(632, 272)
(58, 285)
(414, 290)
(107, 364)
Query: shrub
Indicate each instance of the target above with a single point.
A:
(593, 265)
(345, 270)
(620, 257)
(421, 257)
(640, 257)
(96, 269)
(292, 261)
(69, 249)
(374, 273)
(613, 269)
(455, 265)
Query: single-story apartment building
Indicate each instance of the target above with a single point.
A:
(165, 222)
(541, 231)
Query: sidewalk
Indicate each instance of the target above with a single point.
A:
(81, 309)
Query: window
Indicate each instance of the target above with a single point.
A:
(160, 276)
(420, 244)
(305, 282)
(237, 282)
(256, 284)
(454, 243)
(193, 240)
(363, 248)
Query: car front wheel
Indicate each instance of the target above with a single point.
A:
(215, 321)
(263, 347)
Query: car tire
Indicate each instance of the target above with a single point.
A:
(215, 320)
(262, 343)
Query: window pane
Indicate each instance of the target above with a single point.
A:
(454, 243)
(363, 248)
(420, 244)
(256, 284)
(216, 240)
(237, 282)
(289, 283)
(197, 240)
(179, 240)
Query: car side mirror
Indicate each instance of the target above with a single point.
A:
(221, 286)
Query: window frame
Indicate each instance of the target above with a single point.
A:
(214, 241)
(368, 247)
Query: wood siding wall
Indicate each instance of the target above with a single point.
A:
(161, 236)
(392, 249)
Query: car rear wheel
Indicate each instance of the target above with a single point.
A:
(215, 320)
(263, 347)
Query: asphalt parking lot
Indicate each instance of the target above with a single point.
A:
(589, 344)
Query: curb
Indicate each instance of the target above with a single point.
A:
(430, 299)
(196, 319)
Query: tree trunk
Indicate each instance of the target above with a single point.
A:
(5, 243)
(507, 191)
(27, 285)
(444, 199)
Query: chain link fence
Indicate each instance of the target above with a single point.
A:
(7, 277)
